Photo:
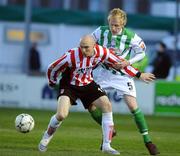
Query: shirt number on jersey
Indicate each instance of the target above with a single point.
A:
(130, 85)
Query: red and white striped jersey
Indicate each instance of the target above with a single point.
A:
(81, 67)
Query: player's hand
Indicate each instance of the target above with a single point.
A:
(147, 77)
(51, 85)
(121, 65)
(124, 64)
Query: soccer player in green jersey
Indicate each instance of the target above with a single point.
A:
(131, 47)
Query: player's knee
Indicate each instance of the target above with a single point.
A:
(106, 107)
(104, 104)
(61, 115)
(91, 108)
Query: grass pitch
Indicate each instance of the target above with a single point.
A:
(79, 135)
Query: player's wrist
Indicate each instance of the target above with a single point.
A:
(129, 62)
(138, 74)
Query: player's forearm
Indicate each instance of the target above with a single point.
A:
(137, 57)
(115, 62)
(55, 69)
(130, 71)
(51, 77)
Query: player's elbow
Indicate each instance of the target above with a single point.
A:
(141, 56)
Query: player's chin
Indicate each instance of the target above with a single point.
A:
(114, 33)
(88, 55)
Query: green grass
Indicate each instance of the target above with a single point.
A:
(79, 135)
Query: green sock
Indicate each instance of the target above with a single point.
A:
(96, 115)
(141, 124)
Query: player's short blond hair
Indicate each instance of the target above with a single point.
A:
(118, 12)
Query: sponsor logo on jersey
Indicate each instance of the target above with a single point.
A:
(83, 70)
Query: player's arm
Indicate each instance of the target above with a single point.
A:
(138, 47)
(133, 72)
(147, 77)
(114, 61)
(56, 68)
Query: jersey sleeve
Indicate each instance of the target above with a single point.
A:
(96, 34)
(139, 48)
(57, 67)
(113, 59)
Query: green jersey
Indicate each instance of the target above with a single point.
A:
(126, 44)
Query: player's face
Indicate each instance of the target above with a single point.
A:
(87, 49)
(115, 25)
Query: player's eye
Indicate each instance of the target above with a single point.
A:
(85, 47)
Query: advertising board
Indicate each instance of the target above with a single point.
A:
(167, 98)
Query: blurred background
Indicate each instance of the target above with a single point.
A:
(36, 32)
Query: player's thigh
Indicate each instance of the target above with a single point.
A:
(131, 102)
(64, 104)
(103, 103)
(91, 107)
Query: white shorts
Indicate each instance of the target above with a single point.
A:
(107, 80)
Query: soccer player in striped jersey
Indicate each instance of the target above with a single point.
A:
(80, 84)
(131, 47)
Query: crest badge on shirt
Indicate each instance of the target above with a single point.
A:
(142, 45)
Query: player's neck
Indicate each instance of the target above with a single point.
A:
(119, 33)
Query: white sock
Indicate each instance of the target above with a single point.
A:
(107, 128)
(53, 125)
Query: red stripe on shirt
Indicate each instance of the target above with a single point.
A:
(73, 62)
(112, 61)
(130, 72)
(54, 65)
(73, 59)
(87, 73)
(96, 57)
(60, 70)
(105, 53)
(80, 55)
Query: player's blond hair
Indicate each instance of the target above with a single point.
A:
(120, 13)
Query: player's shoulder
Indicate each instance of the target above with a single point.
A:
(103, 50)
(129, 32)
(97, 46)
(72, 50)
